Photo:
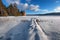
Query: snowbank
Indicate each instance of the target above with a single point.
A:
(27, 28)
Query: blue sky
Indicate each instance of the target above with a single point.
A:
(35, 6)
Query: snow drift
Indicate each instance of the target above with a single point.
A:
(30, 28)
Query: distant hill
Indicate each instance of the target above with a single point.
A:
(47, 14)
(54, 13)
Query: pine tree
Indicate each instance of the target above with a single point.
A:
(3, 10)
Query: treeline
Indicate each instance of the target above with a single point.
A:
(12, 10)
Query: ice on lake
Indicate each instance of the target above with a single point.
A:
(30, 28)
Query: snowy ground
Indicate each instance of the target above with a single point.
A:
(27, 28)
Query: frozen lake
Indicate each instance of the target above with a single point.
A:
(27, 28)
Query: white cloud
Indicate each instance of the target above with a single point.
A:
(57, 1)
(25, 5)
(28, 1)
(13, 1)
(17, 2)
(34, 7)
(45, 10)
(57, 9)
